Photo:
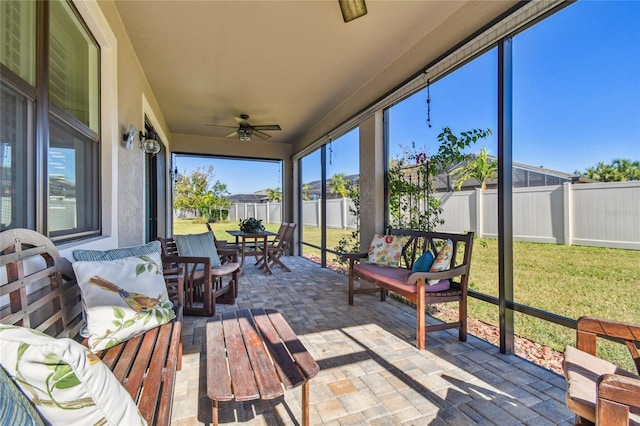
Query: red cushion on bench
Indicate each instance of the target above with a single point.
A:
(394, 276)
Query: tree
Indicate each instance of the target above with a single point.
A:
(338, 184)
(195, 192)
(410, 179)
(476, 167)
(619, 170)
(305, 191)
(274, 194)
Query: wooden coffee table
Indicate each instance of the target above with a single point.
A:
(254, 354)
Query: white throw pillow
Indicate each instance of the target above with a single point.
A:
(67, 383)
(123, 298)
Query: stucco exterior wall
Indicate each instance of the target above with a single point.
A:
(135, 98)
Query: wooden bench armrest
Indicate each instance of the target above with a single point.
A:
(413, 277)
(353, 256)
(615, 395)
(589, 328)
(229, 253)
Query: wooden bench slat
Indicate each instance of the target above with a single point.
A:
(22, 255)
(245, 388)
(140, 363)
(218, 376)
(263, 368)
(287, 369)
(27, 280)
(174, 362)
(305, 361)
(148, 399)
(128, 355)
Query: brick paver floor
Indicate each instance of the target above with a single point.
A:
(370, 370)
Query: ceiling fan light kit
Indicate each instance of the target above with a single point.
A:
(352, 9)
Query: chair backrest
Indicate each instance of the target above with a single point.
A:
(169, 247)
(288, 236)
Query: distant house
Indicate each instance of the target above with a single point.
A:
(256, 197)
(315, 188)
(524, 175)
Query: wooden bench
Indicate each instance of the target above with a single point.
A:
(43, 295)
(599, 392)
(413, 285)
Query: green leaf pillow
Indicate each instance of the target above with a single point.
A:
(65, 381)
(123, 298)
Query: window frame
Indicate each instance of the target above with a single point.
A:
(38, 133)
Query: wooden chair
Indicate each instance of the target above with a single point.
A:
(219, 285)
(279, 248)
(599, 392)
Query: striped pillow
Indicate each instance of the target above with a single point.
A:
(198, 245)
(15, 410)
(118, 253)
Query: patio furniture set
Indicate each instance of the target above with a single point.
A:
(76, 336)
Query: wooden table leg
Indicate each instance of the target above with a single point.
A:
(243, 253)
(265, 254)
(214, 412)
(305, 403)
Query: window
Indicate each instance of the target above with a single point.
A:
(328, 214)
(50, 132)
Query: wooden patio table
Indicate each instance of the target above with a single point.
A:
(244, 236)
(253, 354)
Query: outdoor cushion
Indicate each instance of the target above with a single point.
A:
(68, 384)
(122, 298)
(581, 371)
(198, 245)
(16, 409)
(443, 259)
(118, 253)
(386, 250)
(395, 276)
(423, 263)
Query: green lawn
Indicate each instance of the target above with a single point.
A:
(567, 280)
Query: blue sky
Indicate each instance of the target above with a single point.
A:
(576, 101)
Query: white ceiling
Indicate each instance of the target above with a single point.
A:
(294, 63)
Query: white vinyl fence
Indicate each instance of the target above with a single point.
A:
(594, 214)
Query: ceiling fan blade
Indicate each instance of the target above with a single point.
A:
(261, 135)
(242, 119)
(218, 125)
(232, 134)
(267, 127)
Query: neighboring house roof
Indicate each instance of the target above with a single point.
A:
(315, 187)
(524, 175)
(256, 197)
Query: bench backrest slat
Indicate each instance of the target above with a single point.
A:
(41, 294)
(419, 241)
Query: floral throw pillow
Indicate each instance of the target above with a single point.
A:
(443, 259)
(122, 298)
(386, 250)
(67, 384)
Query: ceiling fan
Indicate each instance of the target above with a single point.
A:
(246, 130)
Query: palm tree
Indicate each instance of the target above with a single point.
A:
(480, 168)
(338, 184)
(620, 169)
(274, 194)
